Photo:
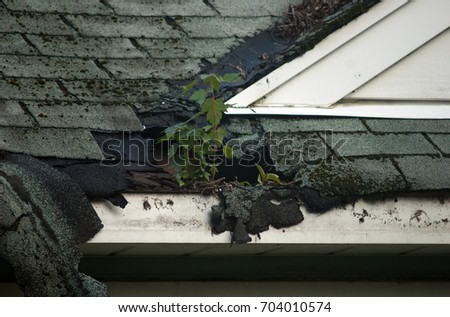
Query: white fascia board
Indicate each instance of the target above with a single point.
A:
(335, 40)
(372, 109)
(179, 223)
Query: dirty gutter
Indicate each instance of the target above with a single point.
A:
(179, 224)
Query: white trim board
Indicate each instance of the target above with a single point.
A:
(360, 110)
(323, 79)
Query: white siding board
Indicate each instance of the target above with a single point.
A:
(423, 75)
(335, 40)
(366, 56)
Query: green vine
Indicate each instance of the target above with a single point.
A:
(194, 148)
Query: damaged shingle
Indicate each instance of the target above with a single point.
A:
(352, 177)
(47, 216)
(253, 210)
(65, 143)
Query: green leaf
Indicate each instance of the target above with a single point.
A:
(170, 131)
(207, 105)
(215, 110)
(262, 175)
(273, 177)
(218, 135)
(199, 96)
(245, 183)
(213, 81)
(232, 78)
(207, 128)
(259, 180)
(214, 169)
(228, 151)
(172, 151)
(187, 88)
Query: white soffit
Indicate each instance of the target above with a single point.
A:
(336, 67)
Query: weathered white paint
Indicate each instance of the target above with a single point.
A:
(338, 38)
(389, 227)
(170, 219)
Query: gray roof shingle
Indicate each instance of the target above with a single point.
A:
(426, 173)
(442, 141)
(14, 115)
(161, 8)
(63, 6)
(365, 144)
(64, 143)
(14, 43)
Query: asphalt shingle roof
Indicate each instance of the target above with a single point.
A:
(69, 68)
(343, 157)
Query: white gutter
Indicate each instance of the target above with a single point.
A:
(179, 224)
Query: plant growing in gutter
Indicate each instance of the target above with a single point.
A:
(194, 148)
(266, 178)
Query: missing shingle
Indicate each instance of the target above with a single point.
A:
(206, 62)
